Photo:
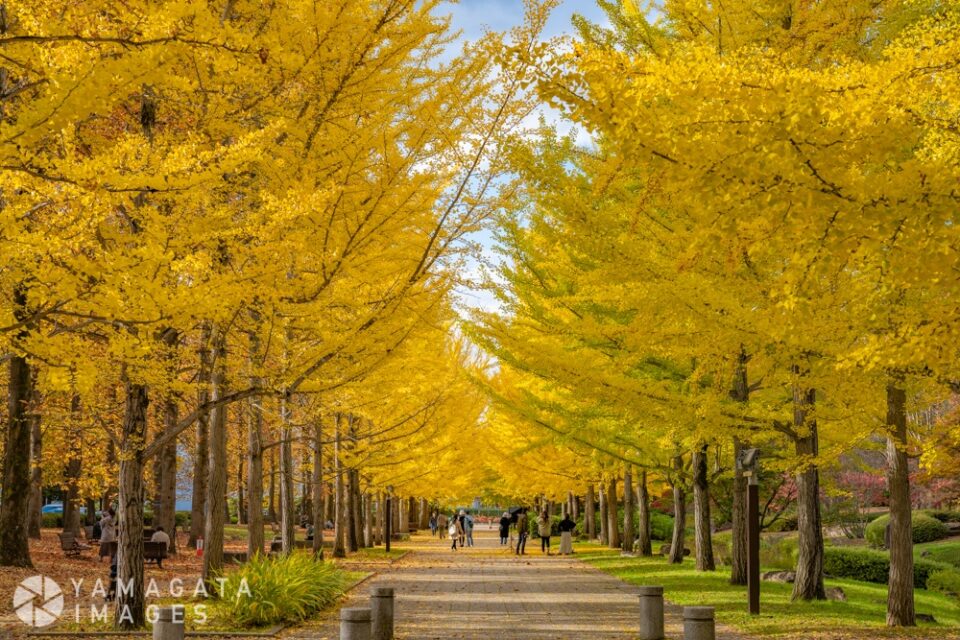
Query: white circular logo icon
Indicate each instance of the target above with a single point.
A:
(38, 601)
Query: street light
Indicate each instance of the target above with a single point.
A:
(748, 463)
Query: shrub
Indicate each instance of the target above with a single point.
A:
(943, 515)
(925, 529)
(945, 581)
(661, 526)
(51, 520)
(281, 589)
(868, 565)
(182, 518)
(784, 523)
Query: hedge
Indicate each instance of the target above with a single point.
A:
(868, 565)
(925, 529)
(51, 520)
(943, 515)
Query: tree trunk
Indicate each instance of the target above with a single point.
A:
(399, 514)
(328, 503)
(131, 601)
(628, 534)
(589, 515)
(367, 520)
(91, 512)
(272, 491)
(241, 496)
(809, 580)
(14, 548)
(900, 605)
(353, 512)
(306, 482)
(340, 516)
(358, 506)
(604, 520)
(701, 511)
(71, 502)
(287, 507)
(424, 515)
(679, 512)
(255, 444)
(34, 517)
(644, 544)
(738, 534)
(381, 518)
(216, 498)
(613, 527)
(166, 509)
(201, 453)
(317, 495)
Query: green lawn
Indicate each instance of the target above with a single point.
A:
(377, 553)
(862, 616)
(942, 551)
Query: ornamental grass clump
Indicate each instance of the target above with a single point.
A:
(269, 590)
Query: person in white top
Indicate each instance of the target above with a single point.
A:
(108, 533)
(161, 536)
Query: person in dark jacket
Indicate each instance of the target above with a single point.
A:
(505, 520)
(567, 526)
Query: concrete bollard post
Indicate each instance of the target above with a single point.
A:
(355, 623)
(698, 623)
(170, 623)
(381, 613)
(651, 613)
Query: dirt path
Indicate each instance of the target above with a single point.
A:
(486, 592)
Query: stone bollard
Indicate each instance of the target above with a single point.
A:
(355, 623)
(698, 623)
(381, 613)
(651, 613)
(170, 623)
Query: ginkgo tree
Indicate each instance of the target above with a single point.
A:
(750, 208)
(207, 206)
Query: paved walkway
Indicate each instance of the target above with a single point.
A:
(485, 592)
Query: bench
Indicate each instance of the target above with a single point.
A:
(70, 545)
(154, 552)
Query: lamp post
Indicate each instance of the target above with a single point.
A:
(748, 464)
(389, 517)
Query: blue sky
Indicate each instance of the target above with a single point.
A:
(472, 18)
(498, 15)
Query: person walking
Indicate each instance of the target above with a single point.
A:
(504, 528)
(522, 533)
(544, 529)
(108, 533)
(433, 523)
(442, 524)
(456, 532)
(462, 528)
(468, 528)
(566, 527)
